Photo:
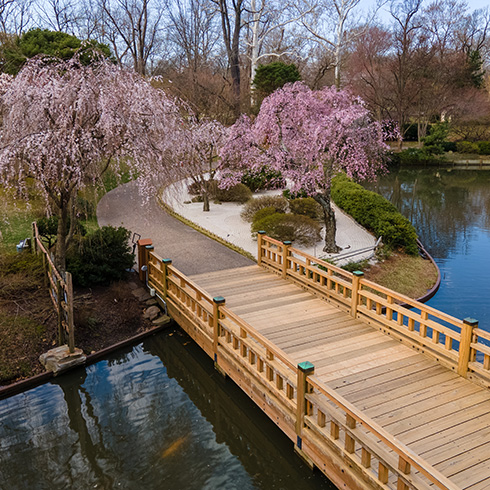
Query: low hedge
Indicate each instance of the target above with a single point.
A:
(279, 203)
(292, 227)
(375, 213)
(306, 206)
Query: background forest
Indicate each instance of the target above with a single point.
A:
(413, 62)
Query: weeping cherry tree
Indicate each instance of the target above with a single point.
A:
(65, 124)
(308, 136)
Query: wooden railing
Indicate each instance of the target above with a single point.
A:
(60, 291)
(311, 414)
(458, 344)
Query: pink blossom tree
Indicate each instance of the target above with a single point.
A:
(64, 124)
(200, 141)
(308, 136)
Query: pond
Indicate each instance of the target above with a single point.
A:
(154, 416)
(450, 210)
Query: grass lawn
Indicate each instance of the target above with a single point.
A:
(405, 274)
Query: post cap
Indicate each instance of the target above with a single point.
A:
(149, 247)
(306, 367)
(166, 261)
(261, 232)
(219, 300)
(287, 243)
(470, 321)
(358, 273)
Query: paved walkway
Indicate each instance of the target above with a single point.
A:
(190, 251)
(193, 252)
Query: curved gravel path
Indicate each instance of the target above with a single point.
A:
(190, 251)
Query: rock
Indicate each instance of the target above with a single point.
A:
(141, 294)
(59, 359)
(163, 320)
(152, 312)
(151, 302)
(132, 285)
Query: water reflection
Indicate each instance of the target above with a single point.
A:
(156, 416)
(451, 211)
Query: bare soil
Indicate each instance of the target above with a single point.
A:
(28, 323)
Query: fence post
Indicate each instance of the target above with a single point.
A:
(59, 295)
(469, 324)
(304, 369)
(217, 302)
(69, 305)
(34, 237)
(285, 254)
(356, 277)
(259, 246)
(142, 256)
(166, 263)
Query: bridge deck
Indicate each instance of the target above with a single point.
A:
(441, 416)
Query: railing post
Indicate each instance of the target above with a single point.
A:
(148, 249)
(59, 295)
(259, 246)
(356, 277)
(469, 324)
(166, 263)
(69, 305)
(304, 369)
(142, 256)
(285, 254)
(217, 302)
(34, 236)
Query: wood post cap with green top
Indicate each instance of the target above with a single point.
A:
(166, 261)
(219, 300)
(306, 367)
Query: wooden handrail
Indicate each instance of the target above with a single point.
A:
(401, 449)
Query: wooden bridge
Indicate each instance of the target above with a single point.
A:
(374, 394)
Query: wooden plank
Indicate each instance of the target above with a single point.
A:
(431, 419)
(473, 474)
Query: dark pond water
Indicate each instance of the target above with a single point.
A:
(451, 211)
(156, 416)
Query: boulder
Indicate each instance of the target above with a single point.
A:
(152, 312)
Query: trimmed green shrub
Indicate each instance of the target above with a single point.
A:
(467, 147)
(293, 195)
(101, 257)
(264, 179)
(484, 147)
(375, 213)
(279, 203)
(262, 213)
(306, 206)
(292, 227)
(449, 146)
(238, 193)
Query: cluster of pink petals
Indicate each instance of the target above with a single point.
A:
(309, 136)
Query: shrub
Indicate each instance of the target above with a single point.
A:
(279, 203)
(293, 195)
(101, 257)
(292, 227)
(375, 213)
(467, 147)
(414, 156)
(238, 193)
(484, 147)
(449, 146)
(262, 213)
(263, 179)
(306, 206)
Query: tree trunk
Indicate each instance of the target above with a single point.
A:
(330, 224)
(205, 201)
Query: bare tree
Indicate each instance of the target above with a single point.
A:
(133, 28)
(15, 16)
(333, 24)
(231, 12)
(58, 15)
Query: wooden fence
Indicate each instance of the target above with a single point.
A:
(326, 429)
(458, 344)
(60, 291)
